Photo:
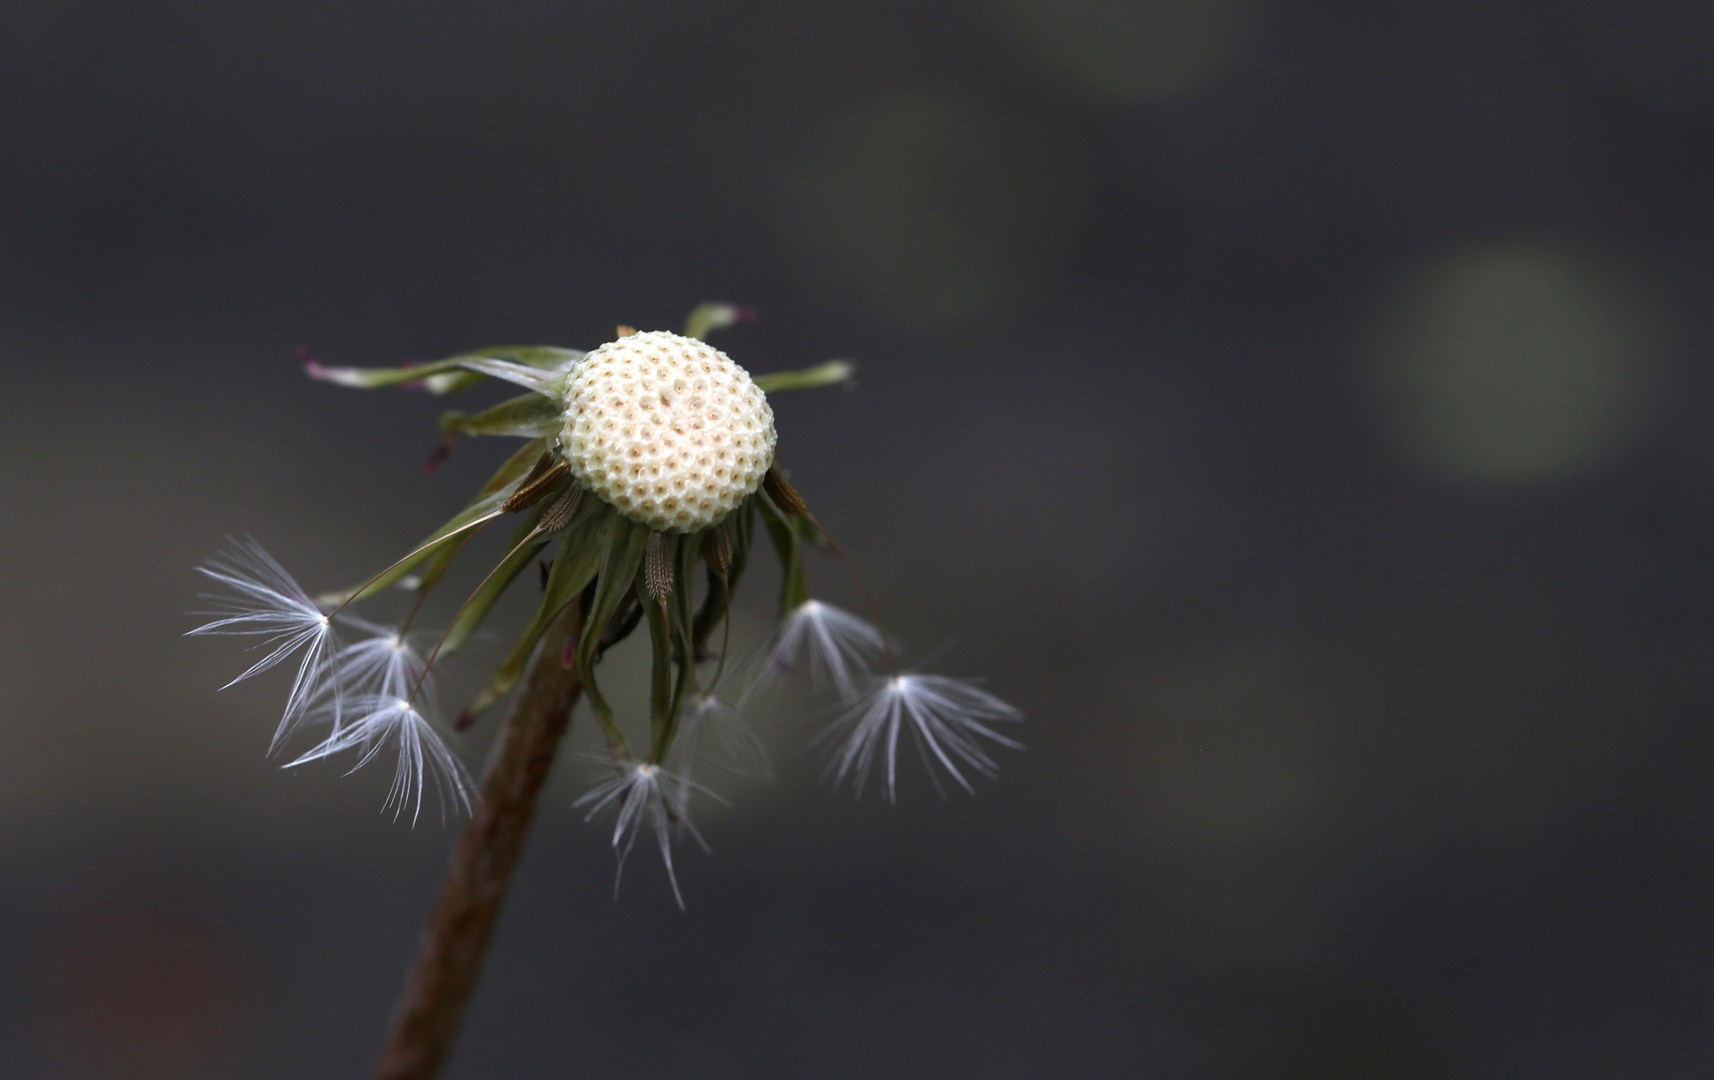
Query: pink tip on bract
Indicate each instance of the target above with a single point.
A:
(466, 720)
(414, 384)
(746, 314)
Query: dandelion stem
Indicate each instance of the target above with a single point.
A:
(449, 956)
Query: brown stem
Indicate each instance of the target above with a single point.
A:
(449, 957)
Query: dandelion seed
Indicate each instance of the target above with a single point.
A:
(383, 664)
(842, 648)
(947, 719)
(716, 732)
(646, 797)
(423, 756)
(269, 604)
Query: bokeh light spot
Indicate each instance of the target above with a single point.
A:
(1227, 747)
(1133, 49)
(928, 212)
(141, 993)
(1515, 363)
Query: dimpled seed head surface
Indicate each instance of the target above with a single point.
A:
(667, 429)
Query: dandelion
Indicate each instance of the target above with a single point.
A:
(946, 719)
(646, 480)
(645, 797)
(268, 603)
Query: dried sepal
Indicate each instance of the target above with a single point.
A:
(546, 474)
(658, 567)
(717, 549)
(784, 495)
(559, 514)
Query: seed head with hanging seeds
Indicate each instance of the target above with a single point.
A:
(643, 459)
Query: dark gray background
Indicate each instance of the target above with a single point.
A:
(1299, 409)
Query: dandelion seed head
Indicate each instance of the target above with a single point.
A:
(667, 429)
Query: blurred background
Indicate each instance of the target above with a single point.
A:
(1300, 408)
